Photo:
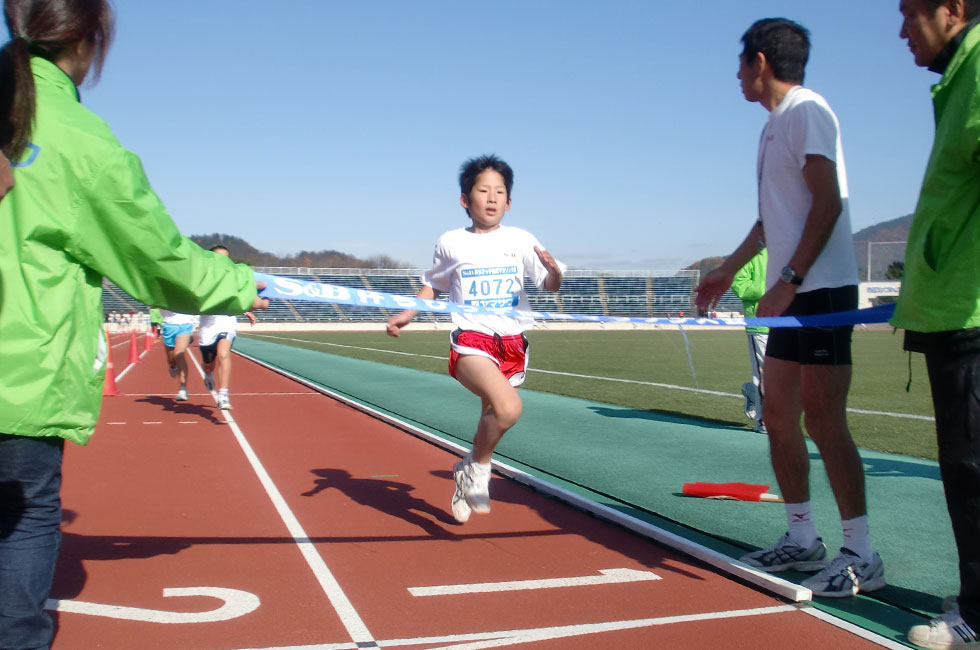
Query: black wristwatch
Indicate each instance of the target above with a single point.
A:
(789, 275)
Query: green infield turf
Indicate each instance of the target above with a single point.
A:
(650, 370)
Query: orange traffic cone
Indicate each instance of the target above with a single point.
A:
(109, 387)
(134, 353)
(148, 340)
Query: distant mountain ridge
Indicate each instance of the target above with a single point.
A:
(241, 251)
(895, 230)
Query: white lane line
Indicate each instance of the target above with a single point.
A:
(129, 367)
(566, 631)
(349, 347)
(179, 422)
(853, 629)
(345, 610)
(124, 371)
(701, 391)
(512, 637)
(234, 603)
(609, 576)
(234, 394)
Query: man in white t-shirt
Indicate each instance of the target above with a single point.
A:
(805, 224)
(215, 335)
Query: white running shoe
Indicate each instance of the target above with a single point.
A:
(461, 509)
(209, 381)
(223, 403)
(173, 371)
(182, 394)
(472, 488)
(946, 631)
(786, 554)
(760, 427)
(750, 393)
(847, 575)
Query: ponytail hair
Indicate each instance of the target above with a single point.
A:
(48, 29)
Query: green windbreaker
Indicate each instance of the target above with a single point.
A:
(941, 282)
(82, 209)
(749, 284)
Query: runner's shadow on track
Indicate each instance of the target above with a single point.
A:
(895, 467)
(70, 574)
(568, 520)
(170, 405)
(390, 497)
(670, 417)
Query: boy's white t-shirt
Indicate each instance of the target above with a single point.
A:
(803, 124)
(214, 324)
(487, 270)
(176, 318)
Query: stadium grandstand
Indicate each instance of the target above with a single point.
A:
(593, 293)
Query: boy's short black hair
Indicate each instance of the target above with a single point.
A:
(785, 44)
(219, 247)
(473, 167)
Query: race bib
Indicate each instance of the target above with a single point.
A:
(496, 287)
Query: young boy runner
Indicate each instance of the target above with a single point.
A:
(484, 265)
(215, 334)
(178, 334)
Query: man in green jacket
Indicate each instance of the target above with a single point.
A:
(81, 209)
(939, 304)
(749, 284)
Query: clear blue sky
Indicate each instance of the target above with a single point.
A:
(315, 124)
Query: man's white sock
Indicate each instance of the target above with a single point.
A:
(802, 530)
(856, 537)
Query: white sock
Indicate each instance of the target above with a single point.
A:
(802, 530)
(856, 537)
(223, 392)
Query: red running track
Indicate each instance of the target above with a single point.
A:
(300, 522)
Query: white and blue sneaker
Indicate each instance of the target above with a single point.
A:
(209, 381)
(472, 493)
(181, 394)
(946, 631)
(847, 575)
(786, 554)
(173, 371)
(750, 393)
(461, 509)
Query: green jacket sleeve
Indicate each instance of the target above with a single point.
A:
(124, 232)
(749, 282)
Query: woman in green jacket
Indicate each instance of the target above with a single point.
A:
(81, 209)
